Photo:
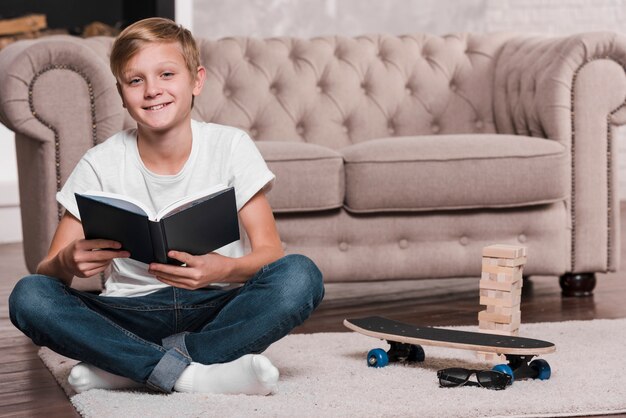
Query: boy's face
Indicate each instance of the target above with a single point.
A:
(157, 88)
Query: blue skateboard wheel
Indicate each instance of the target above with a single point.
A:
(377, 357)
(505, 368)
(542, 367)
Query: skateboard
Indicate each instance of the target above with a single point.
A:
(406, 345)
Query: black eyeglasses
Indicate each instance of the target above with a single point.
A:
(490, 379)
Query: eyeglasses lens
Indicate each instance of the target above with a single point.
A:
(492, 379)
(453, 377)
(489, 379)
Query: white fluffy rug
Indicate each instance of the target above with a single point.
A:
(325, 375)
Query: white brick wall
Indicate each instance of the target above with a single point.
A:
(554, 16)
(305, 18)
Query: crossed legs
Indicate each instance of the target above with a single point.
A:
(217, 350)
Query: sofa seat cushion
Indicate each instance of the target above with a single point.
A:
(422, 173)
(308, 177)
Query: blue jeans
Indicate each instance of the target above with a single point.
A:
(151, 339)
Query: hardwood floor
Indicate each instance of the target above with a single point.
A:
(29, 390)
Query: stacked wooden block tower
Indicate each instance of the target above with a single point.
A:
(501, 291)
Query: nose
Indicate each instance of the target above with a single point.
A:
(152, 89)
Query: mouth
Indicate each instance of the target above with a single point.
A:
(157, 107)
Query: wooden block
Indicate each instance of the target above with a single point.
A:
(505, 262)
(508, 296)
(511, 271)
(486, 325)
(512, 262)
(505, 302)
(513, 333)
(504, 251)
(490, 357)
(500, 302)
(30, 23)
(511, 294)
(510, 327)
(502, 319)
(500, 285)
(498, 329)
(502, 277)
(503, 310)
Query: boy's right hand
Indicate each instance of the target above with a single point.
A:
(85, 258)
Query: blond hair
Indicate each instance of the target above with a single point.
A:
(154, 29)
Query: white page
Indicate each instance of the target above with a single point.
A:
(132, 205)
(119, 201)
(174, 206)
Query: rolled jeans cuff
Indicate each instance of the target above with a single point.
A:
(172, 364)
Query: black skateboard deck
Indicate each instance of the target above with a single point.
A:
(406, 341)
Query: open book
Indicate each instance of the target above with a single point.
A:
(196, 224)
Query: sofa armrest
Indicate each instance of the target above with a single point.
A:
(46, 82)
(567, 89)
(59, 97)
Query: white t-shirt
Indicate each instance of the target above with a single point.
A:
(219, 154)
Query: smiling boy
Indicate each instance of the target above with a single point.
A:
(169, 327)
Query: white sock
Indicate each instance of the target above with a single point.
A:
(85, 376)
(251, 374)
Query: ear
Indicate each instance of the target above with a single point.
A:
(119, 91)
(199, 81)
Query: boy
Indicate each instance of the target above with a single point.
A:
(172, 328)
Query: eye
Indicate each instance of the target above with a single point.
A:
(134, 81)
(167, 74)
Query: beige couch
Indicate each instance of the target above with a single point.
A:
(397, 157)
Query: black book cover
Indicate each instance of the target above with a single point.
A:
(197, 227)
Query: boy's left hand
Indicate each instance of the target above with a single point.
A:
(199, 270)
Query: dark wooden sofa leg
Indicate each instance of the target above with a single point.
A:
(578, 284)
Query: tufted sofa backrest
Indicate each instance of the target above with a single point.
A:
(336, 91)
